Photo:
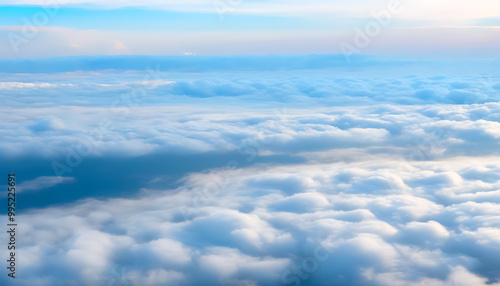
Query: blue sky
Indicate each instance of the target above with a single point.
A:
(137, 19)
(416, 28)
(280, 142)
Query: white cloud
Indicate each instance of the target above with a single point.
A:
(253, 231)
(390, 189)
(30, 85)
(43, 182)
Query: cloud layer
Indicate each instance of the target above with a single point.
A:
(301, 177)
(371, 221)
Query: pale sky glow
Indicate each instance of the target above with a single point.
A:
(58, 41)
(420, 10)
(251, 142)
(85, 27)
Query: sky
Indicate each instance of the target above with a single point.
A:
(252, 142)
(222, 27)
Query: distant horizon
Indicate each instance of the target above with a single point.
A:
(238, 62)
(220, 27)
(250, 142)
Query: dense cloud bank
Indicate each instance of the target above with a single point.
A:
(372, 221)
(312, 179)
(445, 130)
(316, 87)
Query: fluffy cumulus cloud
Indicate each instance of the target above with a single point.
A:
(320, 179)
(369, 221)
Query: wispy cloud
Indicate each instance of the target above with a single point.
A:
(43, 182)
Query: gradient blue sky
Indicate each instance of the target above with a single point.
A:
(217, 27)
(170, 144)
